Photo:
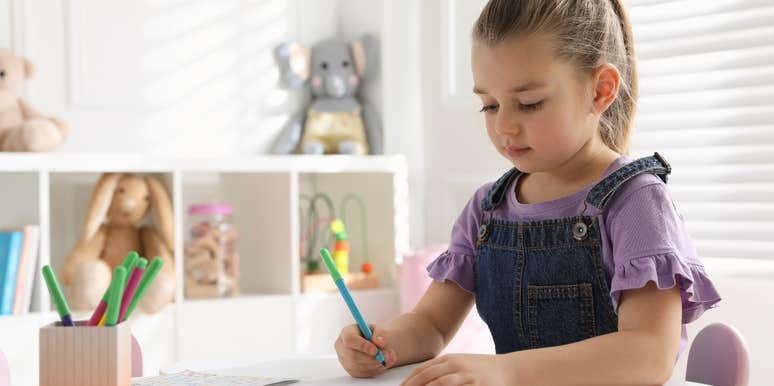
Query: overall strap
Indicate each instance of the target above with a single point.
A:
(602, 192)
(496, 193)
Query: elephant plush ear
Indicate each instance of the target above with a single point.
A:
(294, 61)
(364, 53)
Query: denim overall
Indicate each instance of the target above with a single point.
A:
(542, 283)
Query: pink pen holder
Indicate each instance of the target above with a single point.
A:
(85, 355)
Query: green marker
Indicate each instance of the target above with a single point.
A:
(128, 263)
(114, 300)
(153, 269)
(56, 294)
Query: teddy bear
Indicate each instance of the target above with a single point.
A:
(338, 120)
(123, 200)
(22, 128)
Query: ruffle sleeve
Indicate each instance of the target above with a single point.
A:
(667, 270)
(456, 267)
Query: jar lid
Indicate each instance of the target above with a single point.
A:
(206, 209)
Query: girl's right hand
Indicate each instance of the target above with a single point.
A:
(358, 356)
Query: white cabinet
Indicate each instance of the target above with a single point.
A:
(271, 316)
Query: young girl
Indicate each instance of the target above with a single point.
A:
(577, 258)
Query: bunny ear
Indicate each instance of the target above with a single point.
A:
(162, 211)
(100, 202)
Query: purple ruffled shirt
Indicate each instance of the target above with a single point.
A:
(643, 239)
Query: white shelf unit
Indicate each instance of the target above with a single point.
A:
(271, 316)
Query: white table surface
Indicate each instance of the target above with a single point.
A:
(317, 370)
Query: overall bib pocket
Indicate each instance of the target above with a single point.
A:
(560, 314)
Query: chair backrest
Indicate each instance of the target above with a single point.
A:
(413, 279)
(5, 371)
(719, 357)
(136, 358)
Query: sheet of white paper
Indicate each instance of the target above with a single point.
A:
(191, 378)
(319, 372)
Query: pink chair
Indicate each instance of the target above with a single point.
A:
(136, 359)
(473, 336)
(5, 371)
(413, 280)
(719, 357)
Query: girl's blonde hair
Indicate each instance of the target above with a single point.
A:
(587, 33)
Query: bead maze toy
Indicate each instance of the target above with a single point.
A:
(314, 279)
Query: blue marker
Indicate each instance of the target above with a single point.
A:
(326, 256)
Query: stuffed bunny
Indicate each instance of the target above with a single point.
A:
(335, 121)
(21, 127)
(124, 199)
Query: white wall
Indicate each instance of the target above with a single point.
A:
(5, 23)
(458, 154)
(197, 77)
(402, 85)
(169, 77)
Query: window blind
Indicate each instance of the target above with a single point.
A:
(706, 104)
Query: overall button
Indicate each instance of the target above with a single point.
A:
(483, 232)
(579, 231)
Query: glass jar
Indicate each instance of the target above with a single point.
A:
(211, 259)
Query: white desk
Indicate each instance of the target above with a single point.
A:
(319, 370)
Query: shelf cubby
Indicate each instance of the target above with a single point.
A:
(53, 190)
(19, 195)
(376, 190)
(69, 200)
(262, 214)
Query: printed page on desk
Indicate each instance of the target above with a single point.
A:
(186, 378)
(318, 371)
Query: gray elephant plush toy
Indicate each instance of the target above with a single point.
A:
(335, 121)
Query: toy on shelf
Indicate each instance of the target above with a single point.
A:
(211, 258)
(314, 280)
(366, 267)
(335, 121)
(341, 248)
(22, 128)
(123, 200)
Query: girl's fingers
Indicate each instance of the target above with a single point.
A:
(380, 337)
(453, 379)
(390, 357)
(364, 359)
(425, 365)
(418, 376)
(356, 342)
(360, 365)
(428, 374)
(363, 373)
(358, 355)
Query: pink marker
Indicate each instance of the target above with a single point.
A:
(97, 315)
(129, 262)
(131, 286)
